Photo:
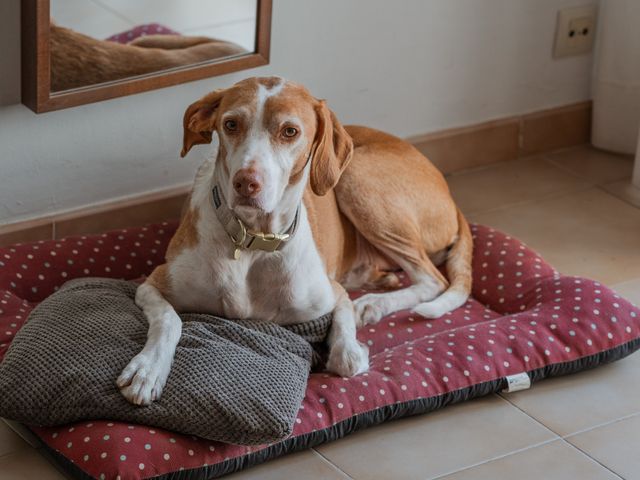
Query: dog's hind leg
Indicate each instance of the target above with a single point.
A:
(388, 226)
(142, 380)
(427, 281)
(401, 205)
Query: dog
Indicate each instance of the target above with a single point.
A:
(294, 209)
(78, 60)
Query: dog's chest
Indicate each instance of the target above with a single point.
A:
(258, 285)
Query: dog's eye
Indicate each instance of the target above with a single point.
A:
(290, 132)
(230, 125)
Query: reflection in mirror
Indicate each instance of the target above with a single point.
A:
(98, 41)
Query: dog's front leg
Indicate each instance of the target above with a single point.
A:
(142, 380)
(347, 356)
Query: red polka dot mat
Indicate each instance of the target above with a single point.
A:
(523, 317)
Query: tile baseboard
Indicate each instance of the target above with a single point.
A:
(451, 150)
(148, 208)
(458, 149)
(555, 128)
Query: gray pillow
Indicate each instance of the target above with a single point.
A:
(231, 381)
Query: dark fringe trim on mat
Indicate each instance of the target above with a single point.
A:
(367, 419)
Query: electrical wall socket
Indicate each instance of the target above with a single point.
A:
(575, 31)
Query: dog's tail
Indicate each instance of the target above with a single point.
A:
(459, 272)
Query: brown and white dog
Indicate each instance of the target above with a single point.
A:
(345, 207)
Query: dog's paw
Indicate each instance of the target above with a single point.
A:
(348, 358)
(141, 382)
(369, 309)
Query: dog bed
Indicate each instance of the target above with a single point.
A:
(88, 331)
(523, 317)
(140, 31)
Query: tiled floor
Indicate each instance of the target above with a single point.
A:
(585, 426)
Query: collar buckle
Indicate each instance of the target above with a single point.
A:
(236, 231)
(268, 242)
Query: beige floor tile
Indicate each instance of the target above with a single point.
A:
(624, 190)
(629, 290)
(27, 464)
(427, 446)
(551, 461)
(595, 166)
(588, 233)
(576, 402)
(509, 183)
(10, 441)
(615, 446)
(299, 466)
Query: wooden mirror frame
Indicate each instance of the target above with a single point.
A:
(36, 71)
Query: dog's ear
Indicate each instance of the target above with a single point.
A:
(331, 151)
(200, 121)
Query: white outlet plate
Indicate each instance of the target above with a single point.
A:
(575, 31)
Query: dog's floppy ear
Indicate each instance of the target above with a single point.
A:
(200, 121)
(331, 151)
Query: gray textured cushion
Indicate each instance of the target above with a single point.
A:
(231, 381)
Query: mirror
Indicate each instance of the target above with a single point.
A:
(82, 51)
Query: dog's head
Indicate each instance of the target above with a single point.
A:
(273, 135)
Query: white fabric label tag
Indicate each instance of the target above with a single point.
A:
(519, 381)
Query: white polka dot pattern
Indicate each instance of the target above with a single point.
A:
(523, 316)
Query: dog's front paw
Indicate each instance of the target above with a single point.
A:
(348, 358)
(141, 382)
(369, 309)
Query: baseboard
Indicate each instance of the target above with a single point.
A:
(505, 139)
(450, 150)
(138, 210)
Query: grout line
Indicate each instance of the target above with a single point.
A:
(555, 163)
(487, 166)
(498, 457)
(600, 425)
(585, 454)
(6, 454)
(19, 449)
(546, 158)
(550, 196)
(621, 198)
(325, 459)
(504, 399)
(563, 438)
(549, 161)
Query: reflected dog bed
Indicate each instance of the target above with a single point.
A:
(524, 322)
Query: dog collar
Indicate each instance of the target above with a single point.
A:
(244, 239)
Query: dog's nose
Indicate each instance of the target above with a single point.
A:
(246, 183)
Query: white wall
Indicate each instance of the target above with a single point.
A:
(616, 78)
(406, 66)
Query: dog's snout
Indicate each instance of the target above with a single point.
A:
(247, 183)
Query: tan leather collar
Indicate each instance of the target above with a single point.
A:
(244, 239)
